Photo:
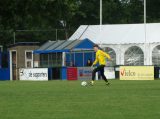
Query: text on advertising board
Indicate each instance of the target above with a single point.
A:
(137, 73)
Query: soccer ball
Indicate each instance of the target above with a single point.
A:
(83, 83)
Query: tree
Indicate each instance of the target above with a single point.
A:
(46, 15)
(132, 11)
(67, 10)
(112, 12)
(153, 10)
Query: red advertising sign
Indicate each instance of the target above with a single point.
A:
(72, 73)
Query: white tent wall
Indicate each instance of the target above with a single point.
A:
(120, 50)
(152, 46)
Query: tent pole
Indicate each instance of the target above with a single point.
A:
(74, 58)
(70, 58)
(63, 58)
(48, 59)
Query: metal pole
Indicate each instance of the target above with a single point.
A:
(145, 37)
(145, 18)
(56, 34)
(48, 61)
(14, 37)
(101, 15)
(83, 59)
(74, 58)
(100, 12)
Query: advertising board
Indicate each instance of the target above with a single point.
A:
(136, 73)
(35, 74)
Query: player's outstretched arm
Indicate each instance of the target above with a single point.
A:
(106, 55)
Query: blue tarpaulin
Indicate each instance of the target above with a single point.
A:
(4, 66)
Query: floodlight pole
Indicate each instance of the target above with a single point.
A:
(145, 34)
(145, 18)
(100, 20)
(100, 12)
(144, 11)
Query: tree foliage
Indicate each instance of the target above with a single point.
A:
(68, 15)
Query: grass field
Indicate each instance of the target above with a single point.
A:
(69, 100)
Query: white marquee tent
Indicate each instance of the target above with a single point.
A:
(130, 44)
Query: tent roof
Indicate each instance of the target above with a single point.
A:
(119, 34)
(65, 46)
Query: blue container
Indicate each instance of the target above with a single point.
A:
(4, 74)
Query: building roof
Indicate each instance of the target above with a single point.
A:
(24, 44)
(119, 34)
(65, 46)
(46, 45)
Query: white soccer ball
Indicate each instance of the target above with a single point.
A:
(83, 83)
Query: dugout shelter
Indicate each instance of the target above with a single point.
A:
(65, 53)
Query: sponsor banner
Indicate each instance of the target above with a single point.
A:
(84, 73)
(136, 73)
(34, 74)
(71, 73)
(109, 72)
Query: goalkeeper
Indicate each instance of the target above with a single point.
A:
(101, 59)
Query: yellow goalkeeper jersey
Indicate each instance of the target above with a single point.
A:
(101, 57)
